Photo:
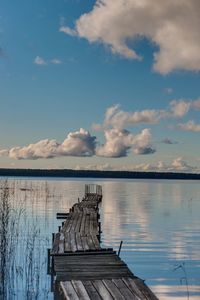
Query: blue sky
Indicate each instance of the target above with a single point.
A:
(63, 64)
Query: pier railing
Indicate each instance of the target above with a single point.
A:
(93, 189)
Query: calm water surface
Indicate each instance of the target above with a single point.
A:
(158, 221)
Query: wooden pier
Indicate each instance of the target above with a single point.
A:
(81, 269)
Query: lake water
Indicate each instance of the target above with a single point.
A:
(158, 221)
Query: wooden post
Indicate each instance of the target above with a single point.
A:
(48, 261)
(53, 238)
(52, 265)
(120, 246)
(52, 282)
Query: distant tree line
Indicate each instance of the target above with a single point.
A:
(96, 174)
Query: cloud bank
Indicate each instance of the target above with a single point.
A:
(119, 142)
(177, 165)
(82, 144)
(170, 25)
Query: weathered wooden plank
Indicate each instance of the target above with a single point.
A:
(80, 290)
(92, 268)
(78, 241)
(91, 228)
(90, 242)
(68, 277)
(124, 290)
(91, 253)
(95, 241)
(96, 225)
(85, 243)
(75, 220)
(87, 223)
(92, 292)
(61, 243)
(87, 258)
(98, 263)
(66, 222)
(78, 224)
(146, 291)
(102, 290)
(115, 292)
(73, 241)
(134, 287)
(82, 227)
(67, 246)
(69, 224)
(89, 272)
(69, 290)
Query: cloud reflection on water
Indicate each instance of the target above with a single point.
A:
(159, 225)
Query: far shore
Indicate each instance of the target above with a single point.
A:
(6, 172)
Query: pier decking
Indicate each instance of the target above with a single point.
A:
(84, 270)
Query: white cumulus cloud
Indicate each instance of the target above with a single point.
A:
(117, 144)
(117, 118)
(171, 25)
(120, 141)
(79, 143)
(189, 126)
(142, 143)
(179, 108)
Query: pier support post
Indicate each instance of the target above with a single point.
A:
(48, 261)
(120, 246)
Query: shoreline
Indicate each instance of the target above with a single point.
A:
(70, 173)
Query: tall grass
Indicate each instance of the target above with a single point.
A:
(4, 239)
(184, 278)
(22, 245)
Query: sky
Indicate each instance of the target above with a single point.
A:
(109, 85)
